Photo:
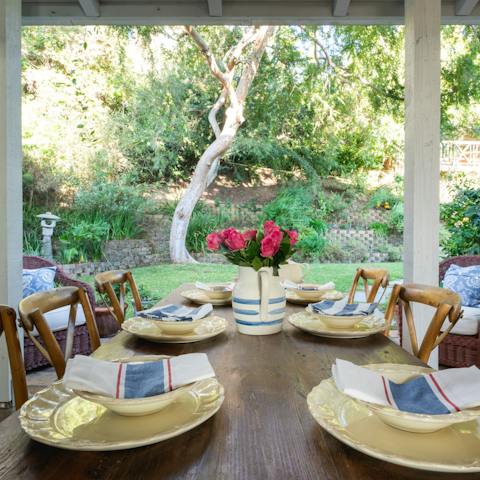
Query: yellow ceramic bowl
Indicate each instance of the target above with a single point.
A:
(313, 294)
(177, 327)
(335, 321)
(417, 422)
(218, 291)
(135, 407)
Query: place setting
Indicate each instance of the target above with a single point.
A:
(404, 414)
(218, 294)
(339, 319)
(176, 324)
(115, 405)
(306, 293)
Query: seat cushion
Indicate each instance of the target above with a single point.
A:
(58, 319)
(466, 282)
(468, 325)
(37, 280)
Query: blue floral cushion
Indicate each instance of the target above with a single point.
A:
(38, 280)
(466, 282)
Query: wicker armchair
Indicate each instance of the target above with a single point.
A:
(81, 343)
(459, 350)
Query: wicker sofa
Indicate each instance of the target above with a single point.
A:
(461, 348)
(58, 319)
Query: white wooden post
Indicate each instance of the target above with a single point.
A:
(10, 169)
(422, 150)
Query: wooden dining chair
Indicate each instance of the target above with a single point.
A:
(446, 304)
(32, 310)
(378, 278)
(105, 283)
(8, 326)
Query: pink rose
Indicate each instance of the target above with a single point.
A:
(233, 239)
(293, 234)
(250, 235)
(214, 241)
(270, 226)
(271, 243)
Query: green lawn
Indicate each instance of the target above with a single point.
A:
(162, 279)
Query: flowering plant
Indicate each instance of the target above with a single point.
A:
(270, 247)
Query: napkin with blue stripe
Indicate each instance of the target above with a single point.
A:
(135, 379)
(435, 393)
(176, 313)
(341, 308)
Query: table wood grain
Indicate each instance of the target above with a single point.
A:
(263, 430)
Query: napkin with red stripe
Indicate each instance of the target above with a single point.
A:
(135, 379)
(435, 393)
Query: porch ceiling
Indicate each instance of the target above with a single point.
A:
(83, 12)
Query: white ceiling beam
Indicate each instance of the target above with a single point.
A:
(215, 8)
(296, 12)
(465, 7)
(340, 8)
(91, 8)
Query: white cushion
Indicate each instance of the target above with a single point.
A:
(468, 325)
(58, 319)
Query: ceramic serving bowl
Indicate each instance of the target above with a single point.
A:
(418, 422)
(218, 291)
(176, 327)
(336, 321)
(136, 407)
(310, 291)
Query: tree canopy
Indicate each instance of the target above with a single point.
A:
(131, 103)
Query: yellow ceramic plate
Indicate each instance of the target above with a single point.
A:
(452, 449)
(152, 330)
(294, 297)
(312, 323)
(56, 416)
(196, 295)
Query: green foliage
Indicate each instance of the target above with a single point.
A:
(106, 211)
(383, 197)
(396, 219)
(83, 241)
(380, 228)
(203, 222)
(461, 218)
(302, 208)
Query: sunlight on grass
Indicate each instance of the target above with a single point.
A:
(160, 280)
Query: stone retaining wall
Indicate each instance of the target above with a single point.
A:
(153, 248)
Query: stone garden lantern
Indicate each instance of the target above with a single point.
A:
(49, 220)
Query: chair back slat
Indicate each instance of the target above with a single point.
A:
(105, 282)
(32, 315)
(447, 304)
(379, 278)
(8, 327)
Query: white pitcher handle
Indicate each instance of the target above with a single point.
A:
(264, 294)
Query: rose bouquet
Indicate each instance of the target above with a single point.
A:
(271, 247)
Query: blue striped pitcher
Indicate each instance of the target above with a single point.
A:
(258, 302)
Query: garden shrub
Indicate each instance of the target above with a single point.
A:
(301, 208)
(461, 218)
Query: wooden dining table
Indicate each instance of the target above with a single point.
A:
(263, 430)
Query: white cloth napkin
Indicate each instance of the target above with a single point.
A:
(446, 391)
(204, 286)
(176, 313)
(138, 379)
(341, 308)
(300, 286)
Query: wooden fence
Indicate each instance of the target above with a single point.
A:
(460, 156)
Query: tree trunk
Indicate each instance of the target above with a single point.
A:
(207, 167)
(195, 189)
